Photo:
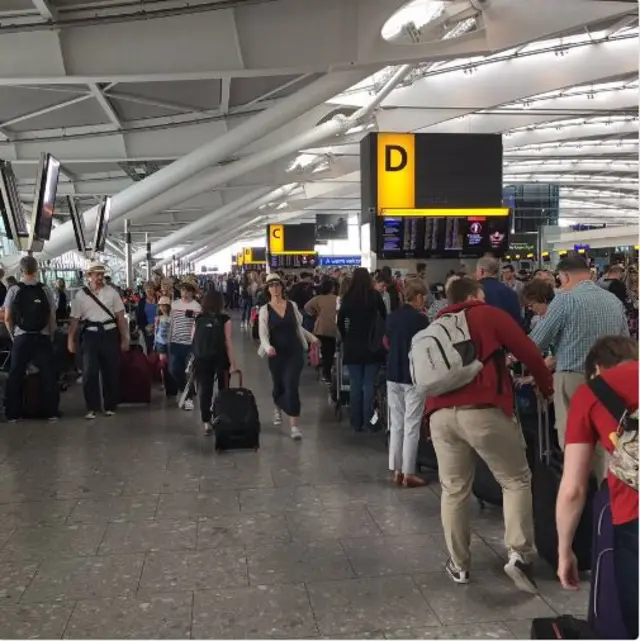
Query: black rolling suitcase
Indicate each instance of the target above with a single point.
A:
(236, 421)
(563, 627)
(427, 458)
(547, 474)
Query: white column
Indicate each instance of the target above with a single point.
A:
(128, 265)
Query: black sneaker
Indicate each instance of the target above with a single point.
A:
(521, 573)
(459, 576)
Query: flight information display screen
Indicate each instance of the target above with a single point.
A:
(441, 237)
(293, 261)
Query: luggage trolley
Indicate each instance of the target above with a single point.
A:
(190, 386)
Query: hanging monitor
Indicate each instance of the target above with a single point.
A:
(102, 225)
(15, 222)
(44, 202)
(77, 220)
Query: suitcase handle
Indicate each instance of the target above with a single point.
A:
(544, 436)
(229, 376)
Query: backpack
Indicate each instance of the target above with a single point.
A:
(623, 462)
(209, 341)
(31, 309)
(442, 357)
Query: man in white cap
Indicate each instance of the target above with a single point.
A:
(99, 310)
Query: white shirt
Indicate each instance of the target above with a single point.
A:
(84, 308)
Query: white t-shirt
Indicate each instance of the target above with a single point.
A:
(83, 307)
(181, 323)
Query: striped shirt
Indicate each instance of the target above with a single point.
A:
(183, 319)
(576, 319)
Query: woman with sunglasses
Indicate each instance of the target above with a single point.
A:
(284, 341)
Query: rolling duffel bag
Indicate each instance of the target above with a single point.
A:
(236, 421)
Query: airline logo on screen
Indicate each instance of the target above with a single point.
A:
(396, 171)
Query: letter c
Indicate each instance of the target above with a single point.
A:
(276, 233)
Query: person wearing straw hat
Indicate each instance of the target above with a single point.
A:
(99, 311)
(284, 341)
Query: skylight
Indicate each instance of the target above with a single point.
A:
(417, 13)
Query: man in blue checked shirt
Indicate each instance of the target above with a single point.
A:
(580, 314)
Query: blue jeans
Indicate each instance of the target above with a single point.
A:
(247, 303)
(178, 359)
(362, 380)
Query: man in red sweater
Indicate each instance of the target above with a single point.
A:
(479, 417)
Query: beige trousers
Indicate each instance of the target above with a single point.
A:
(499, 441)
(565, 385)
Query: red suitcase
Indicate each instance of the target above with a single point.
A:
(135, 378)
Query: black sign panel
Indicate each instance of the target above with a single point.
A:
(440, 237)
(293, 261)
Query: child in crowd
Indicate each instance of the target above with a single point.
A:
(161, 330)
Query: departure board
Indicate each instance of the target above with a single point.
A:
(441, 237)
(293, 261)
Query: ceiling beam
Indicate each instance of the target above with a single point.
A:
(44, 110)
(45, 9)
(152, 102)
(225, 95)
(106, 105)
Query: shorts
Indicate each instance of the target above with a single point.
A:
(162, 349)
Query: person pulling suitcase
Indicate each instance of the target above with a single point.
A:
(97, 311)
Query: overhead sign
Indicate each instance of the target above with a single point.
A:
(254, 256)
(340, 261)
(431, 175)
(291, 239)
(240, 259)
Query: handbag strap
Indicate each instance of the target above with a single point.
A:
(611, 401)
(99, 303)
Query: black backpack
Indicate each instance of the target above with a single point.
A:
(31, 309)
(209, 341)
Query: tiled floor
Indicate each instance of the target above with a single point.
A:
(133, 527)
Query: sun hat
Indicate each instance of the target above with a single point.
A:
(97, 267)
(164, 300)
(273, 278)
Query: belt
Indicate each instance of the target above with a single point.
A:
(100, 328)
(477, 406)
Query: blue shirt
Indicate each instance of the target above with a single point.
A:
(575, 320)
(502, 296)
(150, 310)
(402, 326)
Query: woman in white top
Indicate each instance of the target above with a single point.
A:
(284, 341)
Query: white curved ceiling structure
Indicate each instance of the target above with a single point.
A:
(117, 98)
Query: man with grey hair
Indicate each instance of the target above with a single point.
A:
(496, 293)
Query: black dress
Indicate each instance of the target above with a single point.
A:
(286, 366)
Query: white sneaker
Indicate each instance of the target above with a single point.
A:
(521, 573)
(277, 417)
(208, 429)
(109, 413)
(296, 434)
(188, 405)
(90, 416)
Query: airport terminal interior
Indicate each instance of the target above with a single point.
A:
(204, 139)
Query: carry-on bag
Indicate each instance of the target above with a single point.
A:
(563, 627)
(236, 421)
(605, 617)
(547, 474)
(135, 378)
(427, 458)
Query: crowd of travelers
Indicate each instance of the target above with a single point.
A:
(572, 334)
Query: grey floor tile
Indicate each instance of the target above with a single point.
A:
(332, 523)
(149, 536)
(406, 518)
(183, 505)
(33, 512)
(483, 556)
(85, 578)
(166, 616)
(35, 621)
(379, 493)
(281, 499)
(519, 629)
(165, 483)
(490, 596)
(252, 530)
(121, 508)
(379, 556)
(360, 605)
(280, 612)
(200, 570)
(42, 542)
(575, 602)
(473, 631)
(296, 562)
(285, 476)
(15, 577)
(217, 480)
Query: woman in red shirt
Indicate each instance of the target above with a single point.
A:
(615, 360)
